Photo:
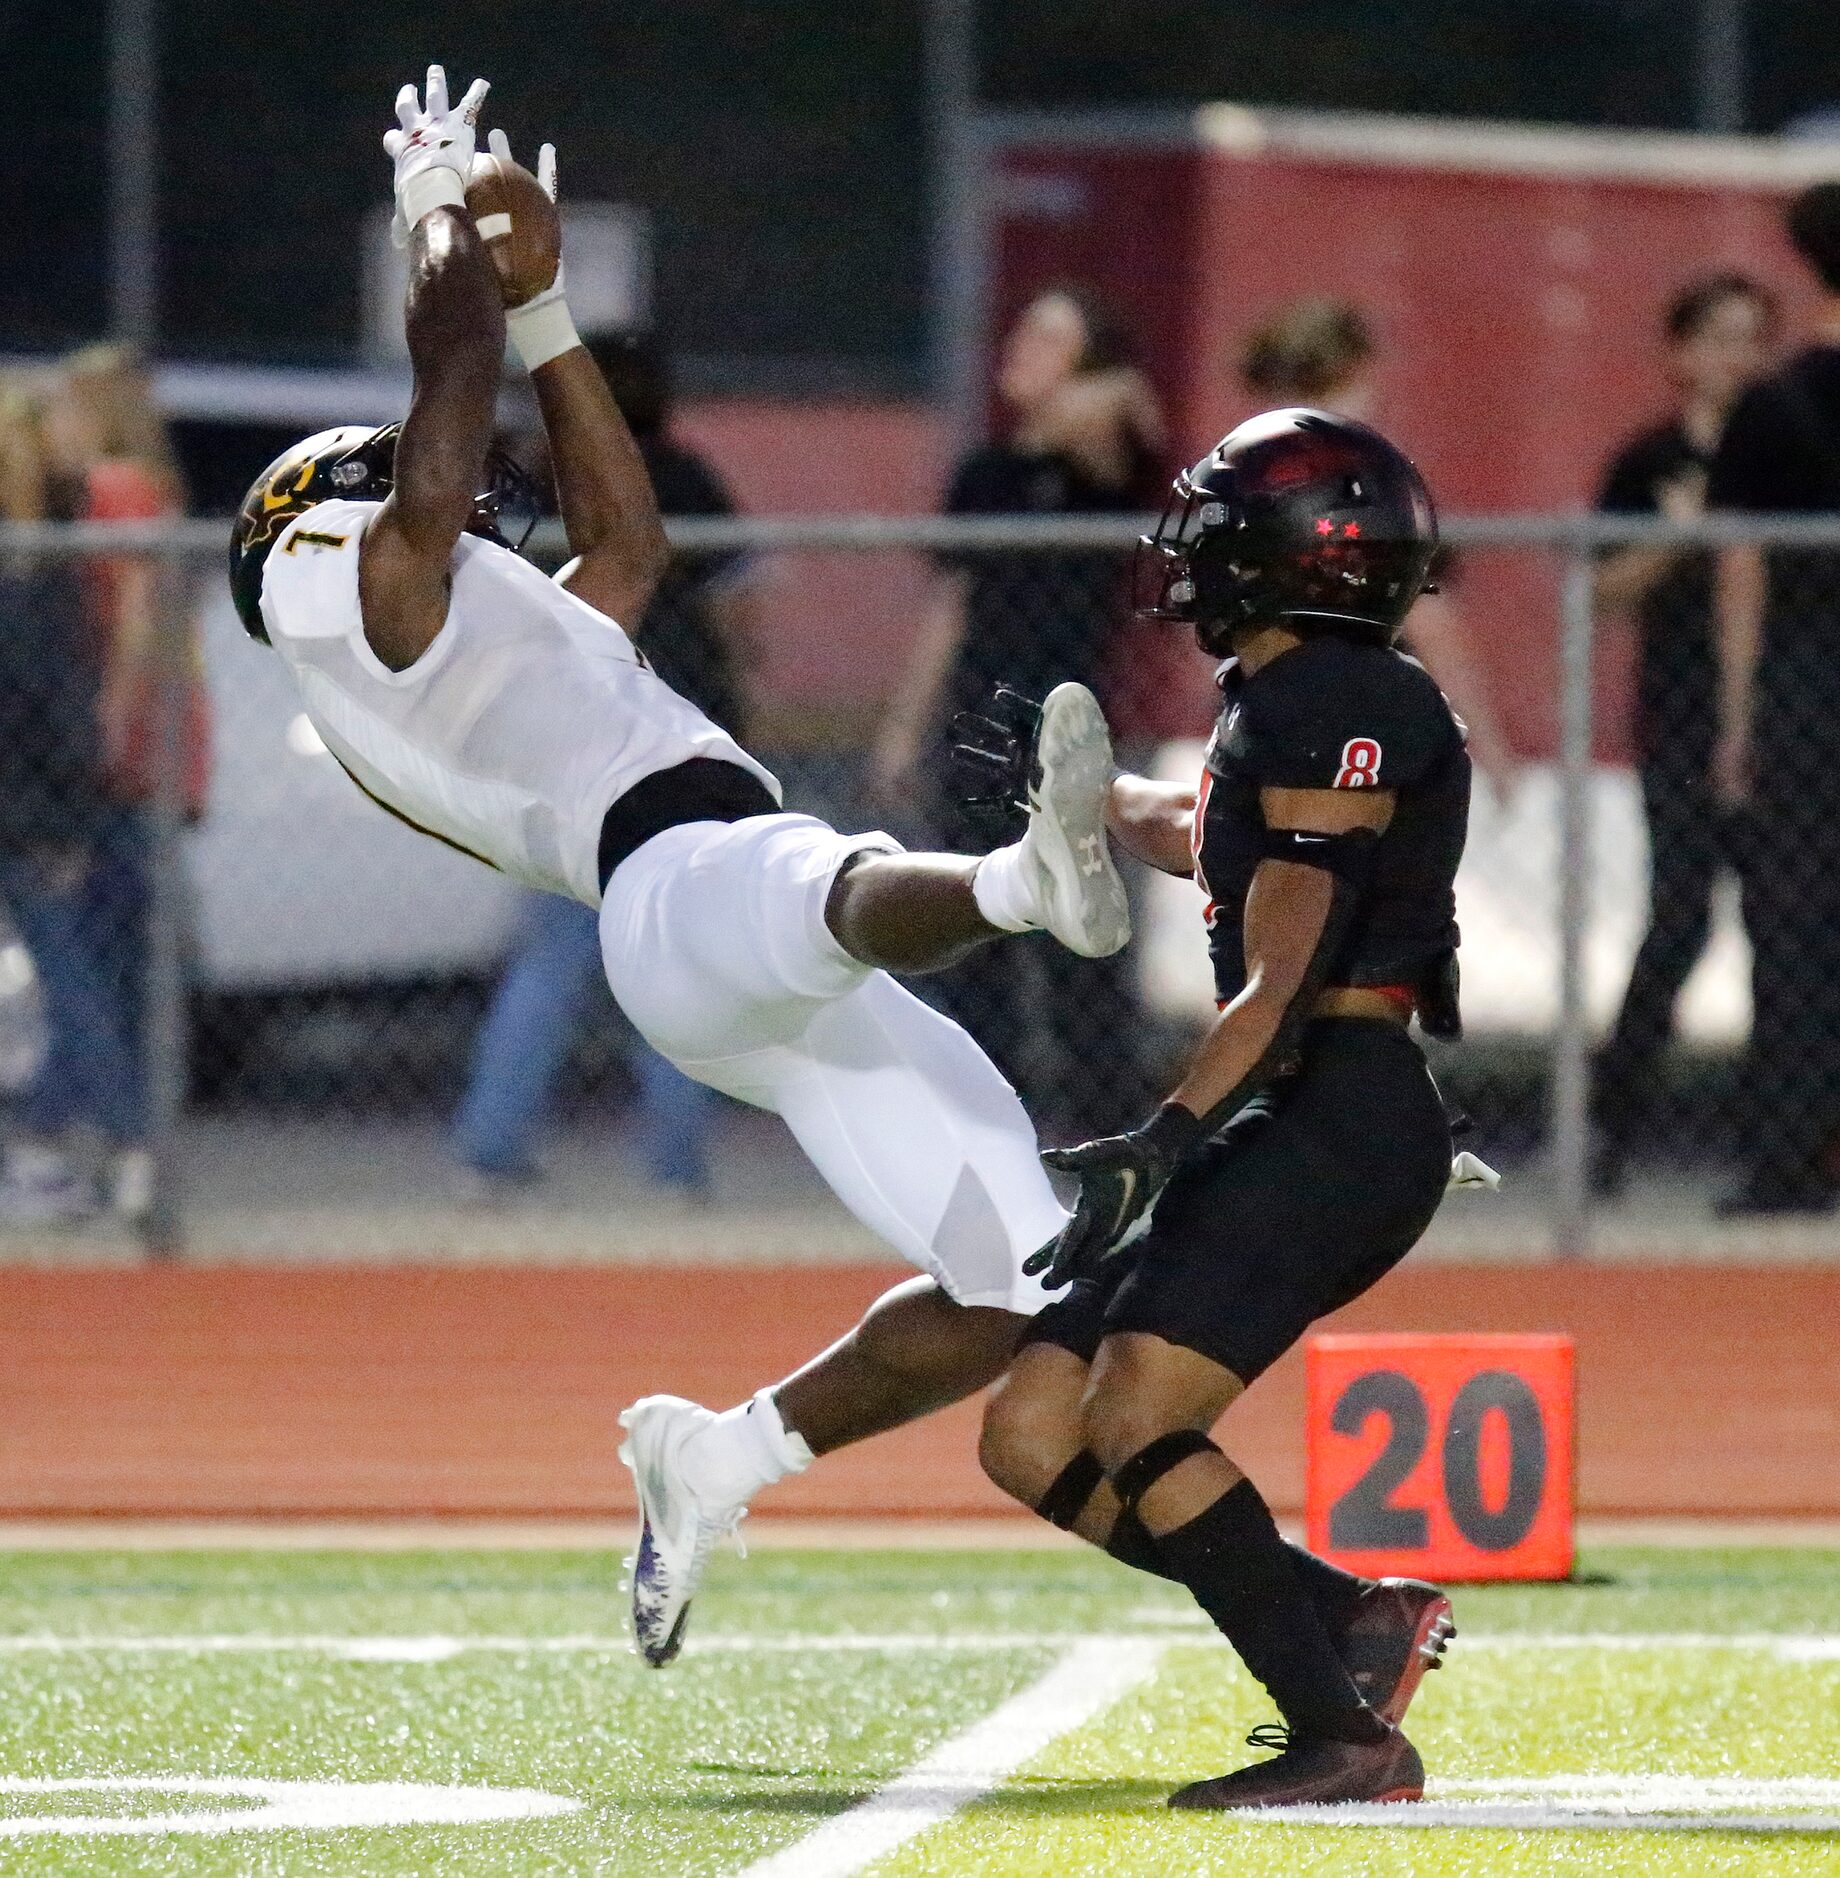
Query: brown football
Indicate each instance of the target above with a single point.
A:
(517, 222)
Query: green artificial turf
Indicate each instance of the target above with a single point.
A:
(506, 1670)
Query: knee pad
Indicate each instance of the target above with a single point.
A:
(1071, 1488)
(1149, 1464)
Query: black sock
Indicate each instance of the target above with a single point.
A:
(1131, 1544)
(1335, 1593)
(1239, 1569)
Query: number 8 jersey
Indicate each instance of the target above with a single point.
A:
(1330, 714)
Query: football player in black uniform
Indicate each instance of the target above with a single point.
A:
(1306, 1149)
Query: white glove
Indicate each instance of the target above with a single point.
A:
(542, 328)
(432, 150)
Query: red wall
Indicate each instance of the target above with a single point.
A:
(837, 625)
(1516, 315)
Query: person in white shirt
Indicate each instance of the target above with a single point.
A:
(507, 714)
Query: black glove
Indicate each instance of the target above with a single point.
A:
(1119, 1177)
(993, 752)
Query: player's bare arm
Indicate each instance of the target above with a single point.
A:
(608, 505)
(456, 333)
(994, 748)
(1154, 822)
(1290, 910)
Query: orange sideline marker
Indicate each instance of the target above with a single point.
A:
(1443, 1457)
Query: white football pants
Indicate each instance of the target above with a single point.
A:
(715, 945)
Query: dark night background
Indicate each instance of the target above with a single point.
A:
(780, 148)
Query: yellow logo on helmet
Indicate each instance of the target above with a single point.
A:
(282, 500)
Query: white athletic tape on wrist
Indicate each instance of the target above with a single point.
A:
(431, 189)
(492, 227)
(541, 331)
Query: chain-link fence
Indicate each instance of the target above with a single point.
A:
(254, 1015)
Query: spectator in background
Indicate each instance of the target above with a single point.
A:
(109, 450)
(1320, 351)
(1084, 436)
(1717, 332)
(1778, 644)
(54, 811)
(700, 634)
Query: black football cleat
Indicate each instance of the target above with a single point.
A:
(1400, 1630)
(1316, 1771)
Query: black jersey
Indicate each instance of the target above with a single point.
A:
(1330, 714)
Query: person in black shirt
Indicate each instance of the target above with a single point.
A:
(1084, 438)
(1778, 646)
(1717, 330)
(1306, 1149)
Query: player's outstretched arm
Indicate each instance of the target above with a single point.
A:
(456, 333)
(608, 506)
(1155, 821)
(1297, 911)
(993, 753)
(605, 491)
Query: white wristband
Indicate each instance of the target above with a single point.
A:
(541, 331)
(434, 188)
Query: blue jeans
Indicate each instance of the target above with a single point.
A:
(65, 905)
(524, 1043)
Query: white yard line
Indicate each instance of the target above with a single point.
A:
(1598, 1803)
(272, 1806)
(1087, 1680)
(1807, 1647)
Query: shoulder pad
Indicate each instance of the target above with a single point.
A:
(1337, 716)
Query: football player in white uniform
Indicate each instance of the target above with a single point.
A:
(507, 714)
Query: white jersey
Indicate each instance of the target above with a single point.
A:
(513, 734)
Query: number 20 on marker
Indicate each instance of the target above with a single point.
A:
(1446, 1457)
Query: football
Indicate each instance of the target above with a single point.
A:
(517, 222)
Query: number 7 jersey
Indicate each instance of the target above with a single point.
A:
(528, 716)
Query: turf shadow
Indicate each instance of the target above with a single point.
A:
(805, 1801)
(1047, 1797)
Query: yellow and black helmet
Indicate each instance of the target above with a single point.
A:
(352, 463)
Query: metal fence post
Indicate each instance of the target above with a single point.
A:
(164, 1042)
(1570, 1125)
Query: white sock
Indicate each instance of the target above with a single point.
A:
(1004, 889)
(727, 1461)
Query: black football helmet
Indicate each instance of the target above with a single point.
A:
(1296, 517)
(352, 463)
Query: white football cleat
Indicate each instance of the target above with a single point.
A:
(677, 1533)
(1078, 893)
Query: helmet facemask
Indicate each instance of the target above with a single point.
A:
(1162, 573)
